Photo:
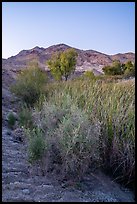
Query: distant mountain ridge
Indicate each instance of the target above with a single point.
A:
(86, 60)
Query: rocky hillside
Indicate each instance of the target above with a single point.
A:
(86, 60)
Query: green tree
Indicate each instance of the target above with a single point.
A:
(123, 68)
(63, 64)
(68, 62)
(129, 69)
(55, 66)
(115, 69)
(108, 70)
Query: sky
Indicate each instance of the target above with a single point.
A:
(107, 27)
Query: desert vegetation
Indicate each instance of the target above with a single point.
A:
(110, 107)
(29, 83)
(78, 125)
(117, 68)
(11, 120)
(62, 64)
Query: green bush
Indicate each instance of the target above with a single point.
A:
(11, 120)
(129, 69)
(29, 84)
(89, 75)
(115, 69)
(37, 145)
(25, 117)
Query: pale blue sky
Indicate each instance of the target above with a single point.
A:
(101, 26)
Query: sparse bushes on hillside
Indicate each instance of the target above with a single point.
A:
(29, 84)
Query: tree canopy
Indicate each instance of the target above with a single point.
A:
(117, 68)
(62, 64)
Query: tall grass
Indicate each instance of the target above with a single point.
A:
(83, 121)
(113, 105)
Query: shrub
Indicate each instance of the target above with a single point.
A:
(49, 116)
(37, 145)
(11, 120)
(89, 75)
(115, 69)
(77, 139)
(70, 134)
(25, 117)
(129, 69)
(29, 84)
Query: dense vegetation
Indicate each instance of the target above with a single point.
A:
(117, 68)
(110, 107)
(82, 124)
(75, 126)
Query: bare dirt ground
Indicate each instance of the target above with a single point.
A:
(21, 182)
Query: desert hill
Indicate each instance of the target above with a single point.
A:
(86, 60)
